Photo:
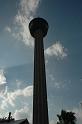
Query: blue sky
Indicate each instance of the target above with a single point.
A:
(63, 48)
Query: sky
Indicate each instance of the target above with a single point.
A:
(63, 49)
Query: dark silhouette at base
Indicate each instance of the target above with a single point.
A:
(66, 117)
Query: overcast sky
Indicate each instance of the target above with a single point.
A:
(63, 56)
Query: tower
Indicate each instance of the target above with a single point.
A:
(38, 28)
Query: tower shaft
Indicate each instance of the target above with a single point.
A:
(40, 107)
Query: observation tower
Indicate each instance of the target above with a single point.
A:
(38, 28)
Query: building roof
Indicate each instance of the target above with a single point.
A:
(22, 121)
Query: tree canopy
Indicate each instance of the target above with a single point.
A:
(66, 117)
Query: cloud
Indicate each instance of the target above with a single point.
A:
(56, 50)
(22, 113)
(56, 83)
(19, 83)
(9, 98)
(26, 11)
(52, 122)
(8, 29)
(2, 77)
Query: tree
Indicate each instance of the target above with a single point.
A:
(66, 117)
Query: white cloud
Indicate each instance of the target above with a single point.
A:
(2, 77)
(56, 83)
(9, 98)
(57, 50)
(26, 11)
(59, 84)
(19, 83)
(8, 29)
(28, 91)
(4, 105)
(52, 122)
(22, 113)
